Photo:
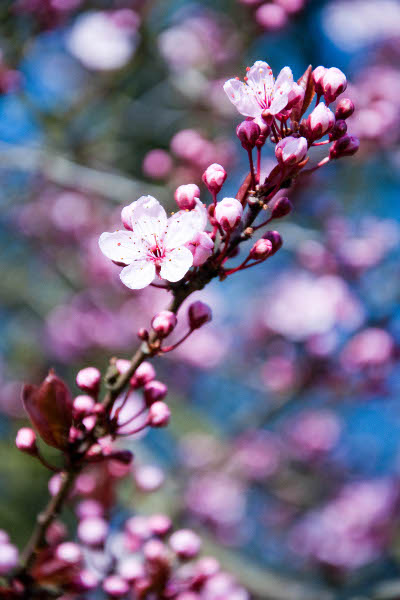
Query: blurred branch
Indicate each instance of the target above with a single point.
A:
(64, 172)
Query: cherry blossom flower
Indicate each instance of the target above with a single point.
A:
(261, 92)
(153, 243)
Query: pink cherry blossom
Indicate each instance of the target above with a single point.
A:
(260, 92)
(153, 243)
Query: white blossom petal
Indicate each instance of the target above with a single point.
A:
(176, 264)
(260, 77)
(148, 219)
(138, 275)
(242, 96)
(285, 76)
(280, 100)
(184, 225)
(120, 246)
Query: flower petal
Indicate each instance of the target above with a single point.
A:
(176, 264)
(138, 275)
(285, 76)
(260, 77)
(148, 219)
(121, 247)
(242, 96)
(184, 225)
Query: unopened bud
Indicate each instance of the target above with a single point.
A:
(248, 133)
(282, 207)
(334, 83)
(347, 145)
(186, 196)
(201, 246)
(338, 130)
(228, 213)
(275, 238)
(69, 553)
(115, 586)
(160, 524)
(199, 314)
(261, 249)
(159, 414)
(214, 177)
(143, 374)
(92, 531)
(26, 441)
(8, 558)
(291, 150)
(344, 109)
(155, 552)
(154, 391)
(320, 121)
(143, 334)
(318, 75)
(185, 543)
(83, 406)
(89, 380)
(164, 323)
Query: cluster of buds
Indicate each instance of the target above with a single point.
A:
(145, 559)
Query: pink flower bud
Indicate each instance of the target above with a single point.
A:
(159, 414)
(282, 207)
(83, 406)
(8, 558)
(185, 543)
(92, 531)
(261, 249)
(159, 524)
(320, 121)
(344, 109)
(49, 407)
(85, 581)
(214, 177)
(155, 551)
(126, 217)
(148, 478)
(143, 374)
(115, 586)
(201, 246)
(89, 380)
(291, 150)
(154, 391)
(26, 441)
(347, 145)
(207, 567)
(131, 569)
(164, 323)
(69, 553)
(338, 131)
(122, 365)
(271, 16)
(248, 133)
(318, 75)
(275, 238)
(334, 83)
(228, 213)
(296, 96)
(199, 314)
(186, 196)
(143, 334)
(89, 508)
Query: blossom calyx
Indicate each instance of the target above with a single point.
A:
(291, 150)
(49, 407)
